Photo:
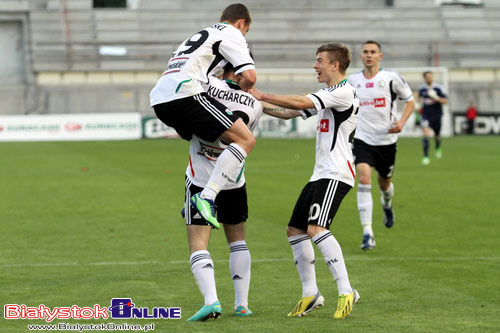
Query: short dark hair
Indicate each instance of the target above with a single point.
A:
(337, 52)
(234, 12)
(425, 73)
(373, 42)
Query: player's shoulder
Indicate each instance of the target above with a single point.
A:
(439, 86)
(355, 76)
(392, 74)
(339, 87)
(224, 30)
(341, 91)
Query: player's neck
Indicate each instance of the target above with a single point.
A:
(371, 71)
(336, 80)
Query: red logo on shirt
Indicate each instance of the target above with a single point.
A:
(379, 102)
(324, 125)
(369, 85)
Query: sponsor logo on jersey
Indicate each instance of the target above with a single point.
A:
(175, 65)
(376, 102)
(370, 84)
(231, 96)
(379, 102)
(324, 125)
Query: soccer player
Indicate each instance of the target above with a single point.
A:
(333, 176)
(432, 96)
(376, 135)
(180, 101)
(231, 203)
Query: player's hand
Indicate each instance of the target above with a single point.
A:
(256, 93)
(396, 127)
(433, 94)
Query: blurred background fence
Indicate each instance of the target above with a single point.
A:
(88, 56)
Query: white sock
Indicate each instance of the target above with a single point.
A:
(303, 254)
(227, 162)
(202, 267)
(387, 196)
(334, 259)
(239, 265)
(365, 207)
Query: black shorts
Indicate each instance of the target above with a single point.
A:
(434, 123)
(230, 205)
(318, 203)
(200, 115)
(382, 158)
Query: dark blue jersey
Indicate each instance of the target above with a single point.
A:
(432, 109)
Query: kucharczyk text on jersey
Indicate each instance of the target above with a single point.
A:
(231, 96)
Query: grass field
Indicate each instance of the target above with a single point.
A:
(81, 223)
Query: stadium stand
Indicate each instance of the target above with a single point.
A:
(72, 48)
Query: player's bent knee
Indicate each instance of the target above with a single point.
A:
(291, 231)
(365, 180)
(313, 230)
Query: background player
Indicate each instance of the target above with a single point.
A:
(432, 96)
(375, 139)
(231, 204)
(333, 176)
(180, 101)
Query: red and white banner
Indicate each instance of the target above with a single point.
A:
(71, 127)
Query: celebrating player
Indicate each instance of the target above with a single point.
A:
(333, 176)
(432, 96)
(376, 135)
(231, 203)
(180, 101)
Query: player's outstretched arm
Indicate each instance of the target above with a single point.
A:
(408, 110)
(279, 112)
(295, 102)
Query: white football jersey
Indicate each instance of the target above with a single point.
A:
(337, 109)
(203, 155)
(200, 57)
(378, 105)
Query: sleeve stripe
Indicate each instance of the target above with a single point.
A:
(320, 101)
(307, 113)
(242, 65)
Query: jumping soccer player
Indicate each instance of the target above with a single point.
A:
(376, 135)
(333, 176)
(180, 101)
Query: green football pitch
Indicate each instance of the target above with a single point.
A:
(82, 223)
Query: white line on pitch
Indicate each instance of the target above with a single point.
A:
(174, 262)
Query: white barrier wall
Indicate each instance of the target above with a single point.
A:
(71, 127)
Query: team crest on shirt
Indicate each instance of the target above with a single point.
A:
(381, 84)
